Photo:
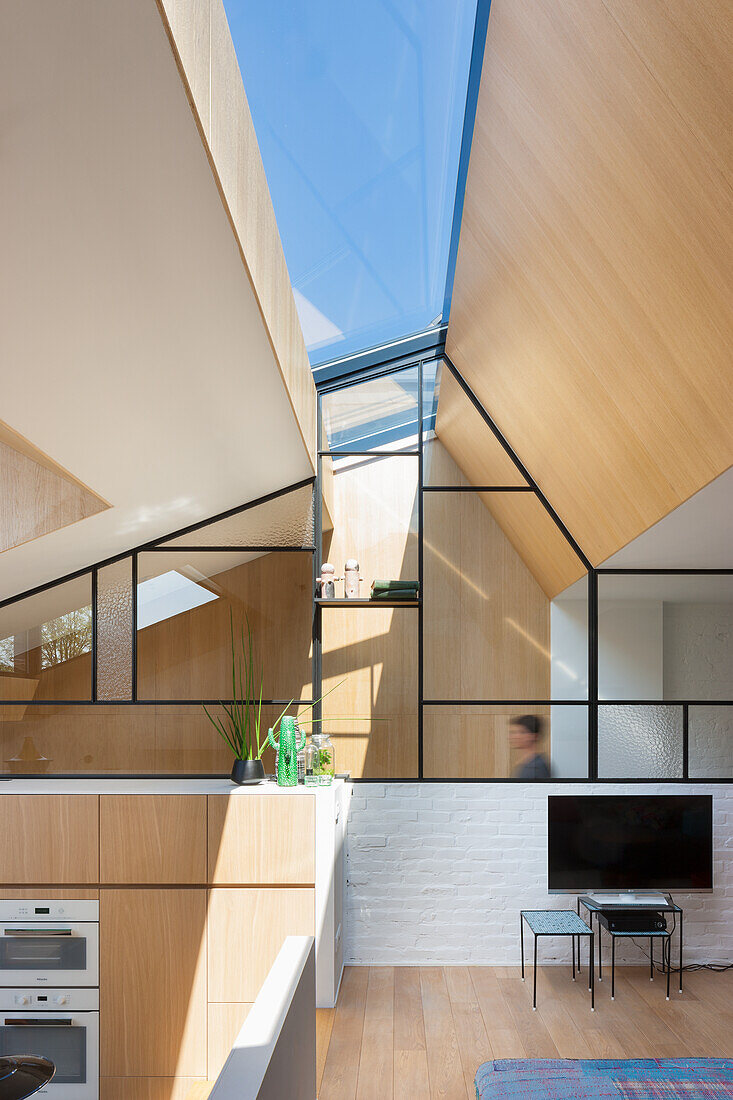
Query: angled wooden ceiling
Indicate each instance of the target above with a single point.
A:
(593, 302)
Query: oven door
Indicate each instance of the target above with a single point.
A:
(37, 953)
(69, 1039)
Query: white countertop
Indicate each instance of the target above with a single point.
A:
(111, 785)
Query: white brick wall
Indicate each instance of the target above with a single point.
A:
(437, 873)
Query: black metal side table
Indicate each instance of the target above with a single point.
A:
(558, 922)
(603, 912)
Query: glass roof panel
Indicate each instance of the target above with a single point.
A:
(359, 114)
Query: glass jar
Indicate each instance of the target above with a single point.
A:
(320, 766)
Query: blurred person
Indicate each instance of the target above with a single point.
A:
(525, 735)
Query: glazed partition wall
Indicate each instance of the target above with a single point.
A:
(511, 618)
(627, 672)
(107, 671)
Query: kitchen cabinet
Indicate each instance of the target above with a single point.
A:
(51, 838)
(152, 838)
(152, 983)
(246, 929)
(199, 884)
(225, 1022)
(268, 839)
(150, 1088)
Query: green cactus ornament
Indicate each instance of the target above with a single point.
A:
(287, 749)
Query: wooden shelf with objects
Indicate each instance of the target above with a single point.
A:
(367, 603)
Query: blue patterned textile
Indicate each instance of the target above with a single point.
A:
(606, 1079)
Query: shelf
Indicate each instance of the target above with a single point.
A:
(367, 603)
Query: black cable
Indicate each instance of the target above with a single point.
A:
(715, 968)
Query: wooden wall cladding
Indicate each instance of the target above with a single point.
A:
(153, 982)
(267, 839)
(592, 310)
(465, 435)
(51, 838)
(370, 665)
(152, 838)
(246, 929)
(486, 619)
(372, 714)
(375, 517)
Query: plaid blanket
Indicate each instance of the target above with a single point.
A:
(606, 1079)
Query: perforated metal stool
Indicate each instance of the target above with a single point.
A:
(558, 922)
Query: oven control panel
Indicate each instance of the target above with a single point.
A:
(49, 1000)
(49, 910)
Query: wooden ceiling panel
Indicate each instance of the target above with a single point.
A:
(592, 308)
(466, 436)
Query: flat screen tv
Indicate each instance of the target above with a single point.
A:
(629, 842)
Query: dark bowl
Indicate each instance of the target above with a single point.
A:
(23, 1075)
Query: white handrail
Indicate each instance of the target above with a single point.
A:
(274, 1055)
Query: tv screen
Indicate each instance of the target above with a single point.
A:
(629, 842)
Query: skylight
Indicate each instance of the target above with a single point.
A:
(169, 594)
(359, 112)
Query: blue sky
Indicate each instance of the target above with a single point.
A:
(358, 109)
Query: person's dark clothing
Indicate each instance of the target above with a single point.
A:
(535, 768)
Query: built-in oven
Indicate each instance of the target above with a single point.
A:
(54, 943)
(61, 1024)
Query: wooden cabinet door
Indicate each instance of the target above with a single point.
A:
(153, 1088)
(153, 983)
(49, 838)
(246, 929)
(225, 1023)
(151, 838)
(259, 838)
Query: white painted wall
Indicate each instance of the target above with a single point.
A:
(630, 649)
(437, 873)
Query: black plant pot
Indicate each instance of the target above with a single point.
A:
(246, 772)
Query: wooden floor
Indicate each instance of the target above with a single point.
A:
(414, 1032)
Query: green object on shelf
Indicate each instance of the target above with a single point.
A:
(394, 587)
(396, 594)
(287, 749)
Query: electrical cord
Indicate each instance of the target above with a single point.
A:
(688, 968)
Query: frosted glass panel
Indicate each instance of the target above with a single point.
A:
(568, 742)
(283, 521)
(114, 630)
(710, 733)
(639, 742)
